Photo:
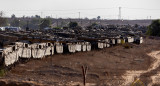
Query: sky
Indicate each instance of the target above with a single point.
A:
(107, 9)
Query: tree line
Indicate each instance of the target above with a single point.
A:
(34, 22)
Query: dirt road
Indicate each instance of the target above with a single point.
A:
(131, 76)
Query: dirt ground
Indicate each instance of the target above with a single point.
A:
(106, 67)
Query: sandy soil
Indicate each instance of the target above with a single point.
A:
(131, 76)
(106, 67)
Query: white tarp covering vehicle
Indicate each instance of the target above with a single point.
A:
(141, 40)
(10, 54)
(104, 45)
(59, 48)
(71, 48)
(100, 45)
(49, 50)
(119, 41)
(113, 41)
(88, 46)
(130, 39)
(108, 45)
(106, 40)
(78, 47)
(26, 51)
(84, 47)
(38, 50)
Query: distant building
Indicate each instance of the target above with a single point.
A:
(13, 28)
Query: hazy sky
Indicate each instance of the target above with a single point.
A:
(108, 9)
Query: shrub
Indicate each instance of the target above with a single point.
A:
(154, 28)
(73, 24)
(2, 72)
(127, 46)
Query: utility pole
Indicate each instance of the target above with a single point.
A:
(80, 18)
(41, 14)
(81, 22)
(57, 20)
(27, 28)
(119, 16)
(79, 15)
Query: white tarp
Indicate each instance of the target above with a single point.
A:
(34, 48)
(130, 39)
(34, 52)
(141, 40)
(11, 58)
(52, 50)
(47, 51)
(100, 45)
(84, 47)
(104, 45)
(72, 48)
(7, 60)
(26, 53)
(108, 45)
(78, 47)
(17, 56)
(113, 41)
(119, 41)
(19, 44)
(35, 45)
(8, 49)
(88, 47)
(38, 53)
(19, 51)
(59, 48)
(106, 40)
(40, 50)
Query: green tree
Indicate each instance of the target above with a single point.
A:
(45, 23)
(98, 17)
(154, 28)
(136, 25)
(15, 23)
(34, 23)
(94, 24)
(73, 24)
(37, 16)
(13, 16)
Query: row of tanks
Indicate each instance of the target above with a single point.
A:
(11, 54)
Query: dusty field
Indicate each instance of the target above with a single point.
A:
(115, 66)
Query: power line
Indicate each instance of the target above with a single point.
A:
(140, 8)
(65, 9)
(119, 16)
